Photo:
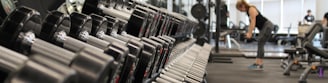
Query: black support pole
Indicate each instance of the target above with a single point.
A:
(217, 32)
(209, 34)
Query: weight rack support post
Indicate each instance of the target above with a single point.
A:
(217, 32)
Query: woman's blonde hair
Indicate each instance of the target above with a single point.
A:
(241, 3)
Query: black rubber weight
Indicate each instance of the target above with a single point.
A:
(79, 22)
(22, 19)
(99, 23)
(54, 22)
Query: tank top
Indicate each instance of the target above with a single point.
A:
(326, 17)
(260, 19)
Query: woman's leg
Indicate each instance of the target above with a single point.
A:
(263, 37)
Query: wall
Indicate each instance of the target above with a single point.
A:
(284, 14)
(292, 12)
(321, 8)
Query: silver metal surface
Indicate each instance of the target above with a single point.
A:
(51, 51)
(115, 13)
(112, 39)
(76, 45)
(27, 38)
(60, 36)
(84, 35)
(11, 60)
(97, 42)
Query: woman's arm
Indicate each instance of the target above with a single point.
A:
(252, 15)
(324, 22)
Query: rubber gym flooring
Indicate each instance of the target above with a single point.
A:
(237, 72)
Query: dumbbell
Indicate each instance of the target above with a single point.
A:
(155, 58)
(17, 68)
(137, 19)
(180, 69)
(158, 59)
(171, 42)
(19, 34)
(56, 26)
(145, 59)
(155, 54)
(179, 19)
(114, 48)
(167, 45)
(111, 39)
(148, 47)
(181, 28)
(100, 27)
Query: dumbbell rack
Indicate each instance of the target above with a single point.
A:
(97, 48)
(189, 66)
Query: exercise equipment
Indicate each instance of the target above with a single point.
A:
(16, 67)
(286, 39)
(81, 26)
(198, 11)
(20, 37)
(188, 67)
(324, 39)
(304, 46)
(297, 54)
(100, 48)
(145, 19)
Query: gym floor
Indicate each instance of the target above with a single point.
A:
(237, 72)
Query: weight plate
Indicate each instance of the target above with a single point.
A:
(198, 11)
(99, 25)
(54, 22)
(20, 20)
(112, 26)
(80, 23)
(91, 6)
(201, 30)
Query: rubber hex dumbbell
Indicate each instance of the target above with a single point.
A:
(99, 28)
(137, 23)
(137, 19)
(164, 53)
(144, 66)
(17, 68)
(57, 25)
(171, 45)
(20, 35)
(111, 39)
(138, 39)
(155, 59)
(182, 27)
(81, 25)
(139, 71)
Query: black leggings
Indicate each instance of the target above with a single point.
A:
(263, 37)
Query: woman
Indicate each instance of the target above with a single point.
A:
(325, 20)
(263, 25)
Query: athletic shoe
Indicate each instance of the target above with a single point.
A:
(255, 67)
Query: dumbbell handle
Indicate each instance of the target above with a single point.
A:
(76, 45)
(97, 42)
(11, 60)
(112, 39)
(115, 13)
(51, 51)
